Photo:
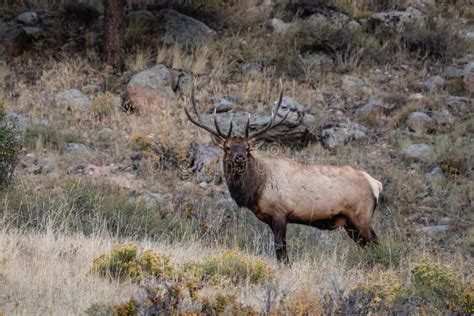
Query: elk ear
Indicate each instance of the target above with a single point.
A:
(255, 144)
(218, 141)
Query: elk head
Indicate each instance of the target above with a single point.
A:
(237, 149)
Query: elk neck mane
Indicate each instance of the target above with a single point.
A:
(246, 186)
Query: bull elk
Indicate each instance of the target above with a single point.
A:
(281, 191)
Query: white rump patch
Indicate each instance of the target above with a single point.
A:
(375, 185)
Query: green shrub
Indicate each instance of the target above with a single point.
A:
(387, 254)
(436, 281)
(433, 40)
(87, 208)
(124, 262)
(231, 266)
(9, 148)
(48, 136)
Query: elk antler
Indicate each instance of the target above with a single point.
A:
(271, 124)
(217, 132)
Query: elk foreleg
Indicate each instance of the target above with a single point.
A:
(278, 226)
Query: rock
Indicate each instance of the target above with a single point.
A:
(435, 229)
(13, 39)
(75, 148)
(459, 105)
(28, 18)
(17, 121)
(277, 26)
(34, 32)
(141, 19)
(436, 174)
(150, 87)
(434, 83)
(395, 20)
(417, 152)
(469, 37)
(419, 122)
(353, 84)
(90, 88)
(153, 200)
(339, 134)
(374, 107)
(44, 165)
(328, 16)
(226, 205)
(254, 67)
(174, 27)
(223, 105)
(454, 71)
(443, 117)
(204, 162)
(73, 100)
(469, 77)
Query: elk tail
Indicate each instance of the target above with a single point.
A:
(376, 187)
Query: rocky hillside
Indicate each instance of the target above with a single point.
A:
(105, 159)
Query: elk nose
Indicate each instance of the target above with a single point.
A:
(239, 157)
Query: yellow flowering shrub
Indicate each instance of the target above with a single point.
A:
(437, 281)
(301, 302)
(383, 289)
(143, 144)
(123, 262)
(231, 266)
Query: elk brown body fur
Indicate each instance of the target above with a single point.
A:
(281, 191)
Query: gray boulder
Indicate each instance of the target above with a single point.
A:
(204, 161)
(333, 18)
(44, 165)
(336, 135)
(395, 20)
(75, 148)
(434, 83)
(458, 105)
(150, 87)
(374, 107)
(417, 152)
(353, 84)
(277, 26)
(469, 78)
(34, 32)
(443, 117)
(73, 100)
(174, 27)
(419, 122)
(141, 18)
(27, 18)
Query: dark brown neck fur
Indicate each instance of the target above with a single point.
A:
(245, 182)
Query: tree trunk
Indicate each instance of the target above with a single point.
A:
(114, 34)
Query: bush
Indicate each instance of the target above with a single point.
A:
(9, 147)
(231, 266)
(436, 281)
(383, 291)
(432, 40)
(123, 262)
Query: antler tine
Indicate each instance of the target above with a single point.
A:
(272, 119)
(229, 133)
(216, 124)
(193, 101)
(247, 126)
(199, 122)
